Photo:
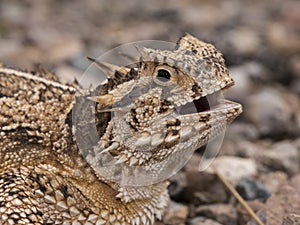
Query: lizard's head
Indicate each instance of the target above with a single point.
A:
(154, 115)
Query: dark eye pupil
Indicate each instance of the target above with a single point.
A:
(163, 75)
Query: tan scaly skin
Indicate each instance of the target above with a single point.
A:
(47, 177)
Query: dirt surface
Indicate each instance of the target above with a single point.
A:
(261, 44)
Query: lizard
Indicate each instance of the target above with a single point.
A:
(50, 166)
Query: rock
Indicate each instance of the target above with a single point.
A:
(250, 189)
(295, 182)
(295, 65)
(244, 148)
(203, 188)
(203, 221)
(175, 214)
(193, 163)
(223, 213)
(281, 204)
(242, 131)
(243, 90)
(251, 149)
(295, 87)
(245, 75)
(244, 40)
(177, 185)
(261, 214)
(273, 181)
(234, 168)
(243, 214)
(281, 156)
(283, 38)
(276, 156)
(273, 111)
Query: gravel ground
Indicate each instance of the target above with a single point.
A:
(260, 154)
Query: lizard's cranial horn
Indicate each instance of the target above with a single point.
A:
(152, 55)
(107, 99)
(109, 69)
(144, 52)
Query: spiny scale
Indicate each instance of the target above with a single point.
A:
(45, 178)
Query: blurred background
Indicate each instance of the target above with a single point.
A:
(260, 40)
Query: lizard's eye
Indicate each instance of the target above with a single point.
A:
(162, 77)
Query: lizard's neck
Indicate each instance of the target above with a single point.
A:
(144, 203)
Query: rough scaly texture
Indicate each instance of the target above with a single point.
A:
(144, 117)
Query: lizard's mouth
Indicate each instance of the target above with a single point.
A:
(202, 104)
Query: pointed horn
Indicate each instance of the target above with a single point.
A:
(107, 99)
(144, 54)
(109, 69)
(113, 146)
(122, 159)
(149, 54)
(143, 51)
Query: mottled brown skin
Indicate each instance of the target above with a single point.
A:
(44, 179)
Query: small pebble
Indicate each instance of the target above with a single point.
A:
(250, 189)
(223, 213)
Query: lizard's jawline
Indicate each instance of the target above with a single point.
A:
(202, 104)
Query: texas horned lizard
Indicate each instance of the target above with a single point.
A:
(49, 164)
